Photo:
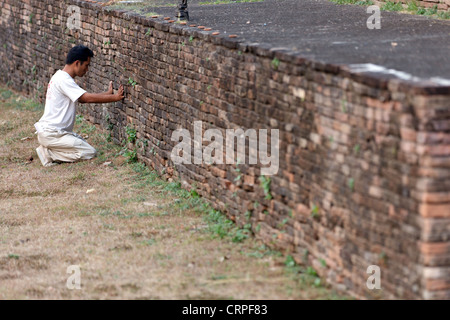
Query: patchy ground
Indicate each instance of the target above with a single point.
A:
(133, 235)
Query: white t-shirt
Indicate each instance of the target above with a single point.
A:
(60, 103)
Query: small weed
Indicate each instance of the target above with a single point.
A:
(131, 81)
(131, 156)
(136, 234)
(265, 184)
(79, 119)
(282, 223)
(351, 184)
(357, 2)
(7, 94)
(131, 134)
(275, 63)
(412, 6)
(289, 262)
(431, 11)
(344, 106)
(315, 211)
(392, 6)
(77, 177)
(149, 242)
(323, 263)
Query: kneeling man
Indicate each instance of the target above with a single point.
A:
(57, 141)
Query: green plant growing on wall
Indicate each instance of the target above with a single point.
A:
(110, 127)
(131, 82)
(282, 223)
(315, 212)
(142, 142)
(351, 184)
(131, 134)
(30, 19)
(239, 176)
(265, 184)
(344, 106)
(275, 63)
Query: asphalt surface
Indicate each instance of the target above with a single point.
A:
(323, 31)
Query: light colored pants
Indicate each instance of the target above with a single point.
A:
(65, 146)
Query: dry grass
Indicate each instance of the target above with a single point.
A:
(135, 237)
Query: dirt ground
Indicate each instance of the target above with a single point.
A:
(132, 235)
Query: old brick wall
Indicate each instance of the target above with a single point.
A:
(364, 162)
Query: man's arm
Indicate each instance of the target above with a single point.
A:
(102, 97)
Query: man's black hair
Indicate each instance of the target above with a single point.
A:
(79, 52)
